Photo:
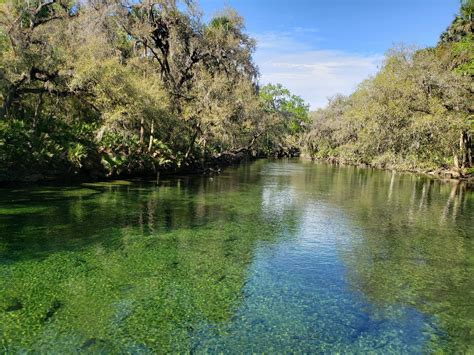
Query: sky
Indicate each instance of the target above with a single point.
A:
(318, 48)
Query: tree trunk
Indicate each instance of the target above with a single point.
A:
(462, 150)
(152, 131)
(455, 160)
(142, 130)
(193, 140)
(465, 149)
(469, 149)
(203, 157)
(11, 95)
(37, 110)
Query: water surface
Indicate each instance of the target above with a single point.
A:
(269, 256)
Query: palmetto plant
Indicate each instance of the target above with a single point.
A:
(463, 24)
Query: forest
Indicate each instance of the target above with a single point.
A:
(124, 88)
(416, 114)
(105, 88)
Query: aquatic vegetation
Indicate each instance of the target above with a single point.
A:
(268, 256)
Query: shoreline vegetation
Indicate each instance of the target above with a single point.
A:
(439, 174)
(415, 114)
(97, 89)
(131, 88)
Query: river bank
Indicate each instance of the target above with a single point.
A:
(95, 172)
(215, 166)
(466, 174)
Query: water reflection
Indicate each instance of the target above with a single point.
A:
(269, 256)
(347, 277)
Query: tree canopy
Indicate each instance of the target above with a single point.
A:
(113, 87)
(415, 114)
(120, 87)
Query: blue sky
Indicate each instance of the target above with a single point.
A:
(322, 47)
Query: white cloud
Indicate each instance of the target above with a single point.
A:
(315, 75)
(279, 42)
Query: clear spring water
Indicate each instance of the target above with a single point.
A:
(278, 256)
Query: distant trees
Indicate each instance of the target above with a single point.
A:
(416, 113)
(288, 117)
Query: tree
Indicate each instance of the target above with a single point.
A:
(130, 87)
(287, 116)
(414, 114)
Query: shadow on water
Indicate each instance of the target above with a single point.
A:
(38, 221)
(268, 256)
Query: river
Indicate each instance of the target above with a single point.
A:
(269, 256)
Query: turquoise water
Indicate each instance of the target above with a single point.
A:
(270, 256)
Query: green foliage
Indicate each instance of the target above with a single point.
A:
(412, 115)
(89, 88)
(13, 144)
(76, 154)
(463, 55)
(462, 25)
(288, 116)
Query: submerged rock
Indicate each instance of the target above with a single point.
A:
(15, 306)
